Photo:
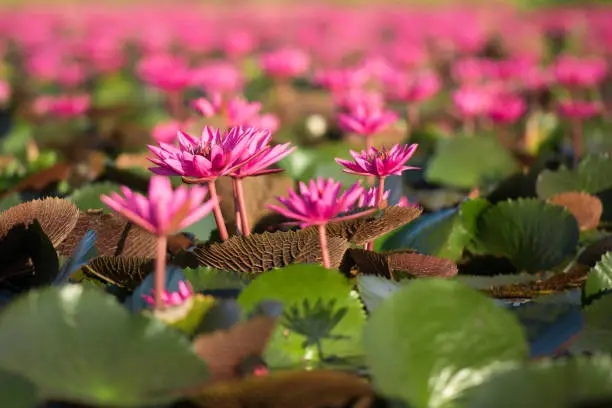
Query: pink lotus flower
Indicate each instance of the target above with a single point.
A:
(369, 198)
(319, 202)
(366, 119)
(414, 88)
(63, 106)
(580, 72)
(507, 108)
(238, 112)
(213, 155)
(403, 202)
(166, 132)
(170, 299)
(379, 163)
(238, 43)
(577, 109)
(163, 71)
(218, 77)
(352, 99)
(472, 101)
(285, 63)
(259, 155)
(209, 107)
(164, 212)
(341, 80)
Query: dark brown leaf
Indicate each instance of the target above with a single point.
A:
(586, 208)
(224, 350)
(291, 389)
(39, 180)
(262, 252)
(420, 265)
(56, 216)
(114, 236)
(127, 272)
(366, 262)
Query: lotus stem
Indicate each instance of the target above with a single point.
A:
(324, 250)
(244, 217)
(175, 106)
(160, 271)
(412, 116)
(577, 140)
(217, 211)
(368, 144)
(469, 126)
(380, 192)
(237, 214)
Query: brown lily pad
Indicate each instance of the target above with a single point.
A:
(41, 179)
(358, 260)
(56, 216)
(127, 272)
(224, 350)
(587, 209)
(269, 250)
(114, 236)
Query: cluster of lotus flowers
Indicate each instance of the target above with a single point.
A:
(386, 57)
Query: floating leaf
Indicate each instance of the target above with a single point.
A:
(204, 279)
(365, 262)
(57, 217)
(593, 253)
(532, 234)
(420, 265)
(597, 333)
(224, 350)
(591, 177)
(128, 272)
(115, 236)
(17, 392)
(294, 389)
(9, 201)
(565, 383)
(109, 356)
(293, 286)
(467, 162)
(202, 229)
(600, 277)
(586, 208)
(88, 197)
(453, 343)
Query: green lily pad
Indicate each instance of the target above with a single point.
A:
(532, 234)
(88, 197)
(591, 176)
(435, 338)
(550, 384)
(16, 141)
(467, 162)
(203, 228)
(295, 286)
(79, 344)
(17, 392)
(599, 278)
(597, 332)
(205, 278)
(375, 289)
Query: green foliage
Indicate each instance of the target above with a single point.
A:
(564, 383)
(600, 277)
(375, 289)
(466, 162)
(435, 338)
(16, 141)
(299, 286)
(597, 332)
(203, 228)
(78, 343)
(205, 278)
(592, 176)
(17, 392)
(9, 201)
(532, 234)
(88, 197)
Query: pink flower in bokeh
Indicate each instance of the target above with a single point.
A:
(319, 202)
(208, 107)
(576, 109)
(341, 80)
(213, 155)
(164, 211)
(473, 101)
(71, 75)
(267, 121)
(185, 292)
(351, 99)
(379, 163)
(507, 108)
(238, 43)
(369, 198)
(218, 77)
(62, 106)
(285, 63)
(403, 202)
(5, 92)
(366, 118)
(471, 70)
(164, 71)
(417, 87)
(166, 132)
(579, 72)
(239, 111)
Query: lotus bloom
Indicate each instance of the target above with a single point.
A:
(379, 163)
(209, 107)
(342, 80)
(63, 106)
(507, 108)
(218, 77)
(414, 88)
(238, 43)
(577, 109)
(319, 203)
(369, 198)
(285, 63)
(354, 98)
(166, 132)
(162, 213)
(170, 299)
(472, 101)
(579, 72)
(166, 72)
(366, 119)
